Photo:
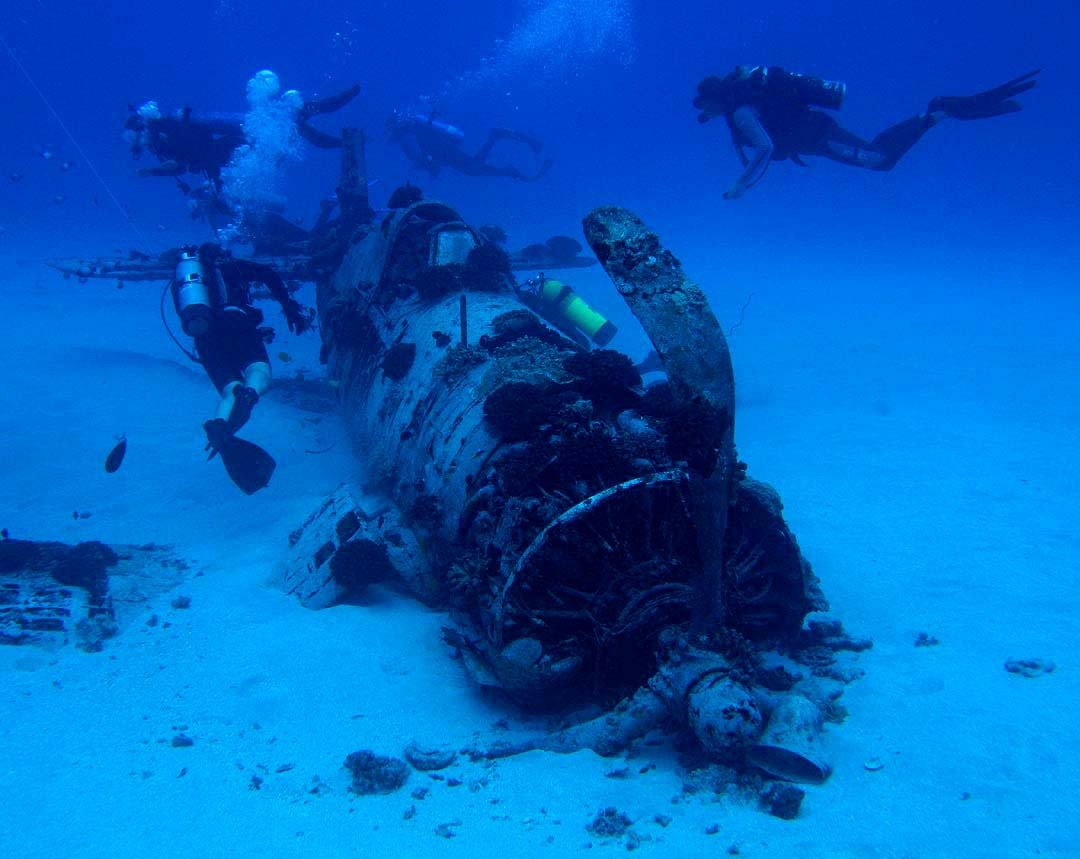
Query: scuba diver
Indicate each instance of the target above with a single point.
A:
(770, 112)
(561, 306)
(203, 145)
(212, 295)
(432, 145)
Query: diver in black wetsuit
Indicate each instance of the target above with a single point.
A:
(212, 293)
(231, 347)
(185, 143)
(770, 112)
(432, 145)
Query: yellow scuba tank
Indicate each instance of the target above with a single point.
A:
(571, 307)
(191, 294)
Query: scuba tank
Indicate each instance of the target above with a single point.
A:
(791, 86)
(564, 308)
(191, 294)
(409, 121)
(444, 128)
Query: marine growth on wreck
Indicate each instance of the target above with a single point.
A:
(598, 542)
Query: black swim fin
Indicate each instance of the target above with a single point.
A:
(330, 103)
(992, 102)
(539, 174)
(313, 107)
(316, 137)
(248, 465)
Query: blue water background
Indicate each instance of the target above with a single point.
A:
(614, 111)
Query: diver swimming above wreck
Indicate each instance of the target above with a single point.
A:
(212, 293)
(432, 145)
(188, 143)
(596, 541)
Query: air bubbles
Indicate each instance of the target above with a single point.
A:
(555, 40)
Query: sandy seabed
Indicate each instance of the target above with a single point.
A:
(926, 453)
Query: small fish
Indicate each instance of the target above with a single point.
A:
(58, 199)
(45, 152)
(116, 455)
(16, 176)
(284, 357)
(67, 165)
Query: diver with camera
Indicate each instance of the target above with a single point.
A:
(212, 294)
(771, 115)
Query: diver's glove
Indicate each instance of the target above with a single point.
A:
(298, 319)
(992, 102)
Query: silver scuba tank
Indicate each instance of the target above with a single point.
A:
(818, 92)
(191, 294)
(803, 89)
(444, 128)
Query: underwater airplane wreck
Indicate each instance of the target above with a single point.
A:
(596, 542)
